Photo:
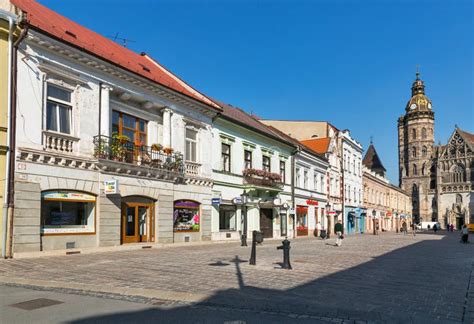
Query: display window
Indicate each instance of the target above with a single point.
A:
(227, 218)
(67, 212)
(302, 220)
(186, 217)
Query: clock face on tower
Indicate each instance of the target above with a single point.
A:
(413, 106)
(429, 106)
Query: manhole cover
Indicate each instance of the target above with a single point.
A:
(36, 303)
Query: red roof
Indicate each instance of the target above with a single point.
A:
(319, 145)
(64, 29)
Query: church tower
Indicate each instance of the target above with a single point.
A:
(415, 150)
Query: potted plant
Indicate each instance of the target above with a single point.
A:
(156, 147)
(168, 150)
(118, 148)
(101, 148)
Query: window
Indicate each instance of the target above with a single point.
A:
(58, 109)
(413, 152)
(282, 171)
(316, 181)
(305, 179)
(424, 151)
(415, 170)
(225, 157)
(266, 163)
(132, 127)
(423, 133)
(191, 145)
(186, 216)
(227, 218)
(298, 177)
(413, 133)
(67, 212)
(248, 159)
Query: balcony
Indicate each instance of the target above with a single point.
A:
(262, 178)
(57, 142)
(192, 169)
(144, 160)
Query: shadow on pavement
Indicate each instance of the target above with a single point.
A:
(417, 283)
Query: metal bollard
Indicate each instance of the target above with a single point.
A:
(286, 254)
(253, 254)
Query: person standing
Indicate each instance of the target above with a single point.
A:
(452, 227)
(318, 229)
(339, 230)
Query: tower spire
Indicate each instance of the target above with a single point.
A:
(418, 72)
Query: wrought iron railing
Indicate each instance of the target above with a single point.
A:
(120, 149)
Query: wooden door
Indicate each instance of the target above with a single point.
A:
(266, 222)
(137, 221)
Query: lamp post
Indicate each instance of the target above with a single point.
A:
(328, 206)
(283, 219)
(244, 198)
(374, 213)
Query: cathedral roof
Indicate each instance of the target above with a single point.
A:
(468, 137)
(372, 161)
(418, 101)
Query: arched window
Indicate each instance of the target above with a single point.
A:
(458, 199)
(415, 170)
(413, 133)
(413, 152)
(424, 151)
(423, 133)
(457, 173)
(423, 169)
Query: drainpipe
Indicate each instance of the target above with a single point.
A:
(12, 139)
(11, 22)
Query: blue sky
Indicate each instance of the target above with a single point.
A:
(349, 62)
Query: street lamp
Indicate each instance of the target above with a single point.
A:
(244, 197)
(328, 206)
(283, 219)
(397, 221)
(374, 213)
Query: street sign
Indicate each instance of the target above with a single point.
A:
(237, 201)
(216, 201)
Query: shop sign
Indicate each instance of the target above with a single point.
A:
(237, 201)
(64, 195)
(215, 201)
(312, 202)
(389, 214)
(111, 187)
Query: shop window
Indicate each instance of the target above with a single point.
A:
(186, 216)
(227, 218)
(266, 163)
(67, 212)
(225, 157)
(301, 220)
(130, 126)
(248, 159)
(58, 109)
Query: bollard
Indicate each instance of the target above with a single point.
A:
(286, 254)
(253, 254)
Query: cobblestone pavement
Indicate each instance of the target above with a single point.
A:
(389, 277)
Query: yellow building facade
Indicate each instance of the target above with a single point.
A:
(7, 37)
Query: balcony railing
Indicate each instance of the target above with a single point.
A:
(121, 150)
(59, 142)
(192, 169)
(262, 178)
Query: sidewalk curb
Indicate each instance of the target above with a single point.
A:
(168, 295)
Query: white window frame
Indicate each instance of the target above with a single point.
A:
(62, 86)
(196, 143)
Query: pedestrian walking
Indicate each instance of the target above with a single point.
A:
(464, 234)
(318, 229)
(414, 229)
(435, 228)
(452, 227)
(339, 230)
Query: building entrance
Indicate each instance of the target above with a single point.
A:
(137, 222)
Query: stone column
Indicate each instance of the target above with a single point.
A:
(167, 127)
(105, 121)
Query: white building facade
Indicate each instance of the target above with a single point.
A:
(105, 155)
(249, 158)
(354, 214)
